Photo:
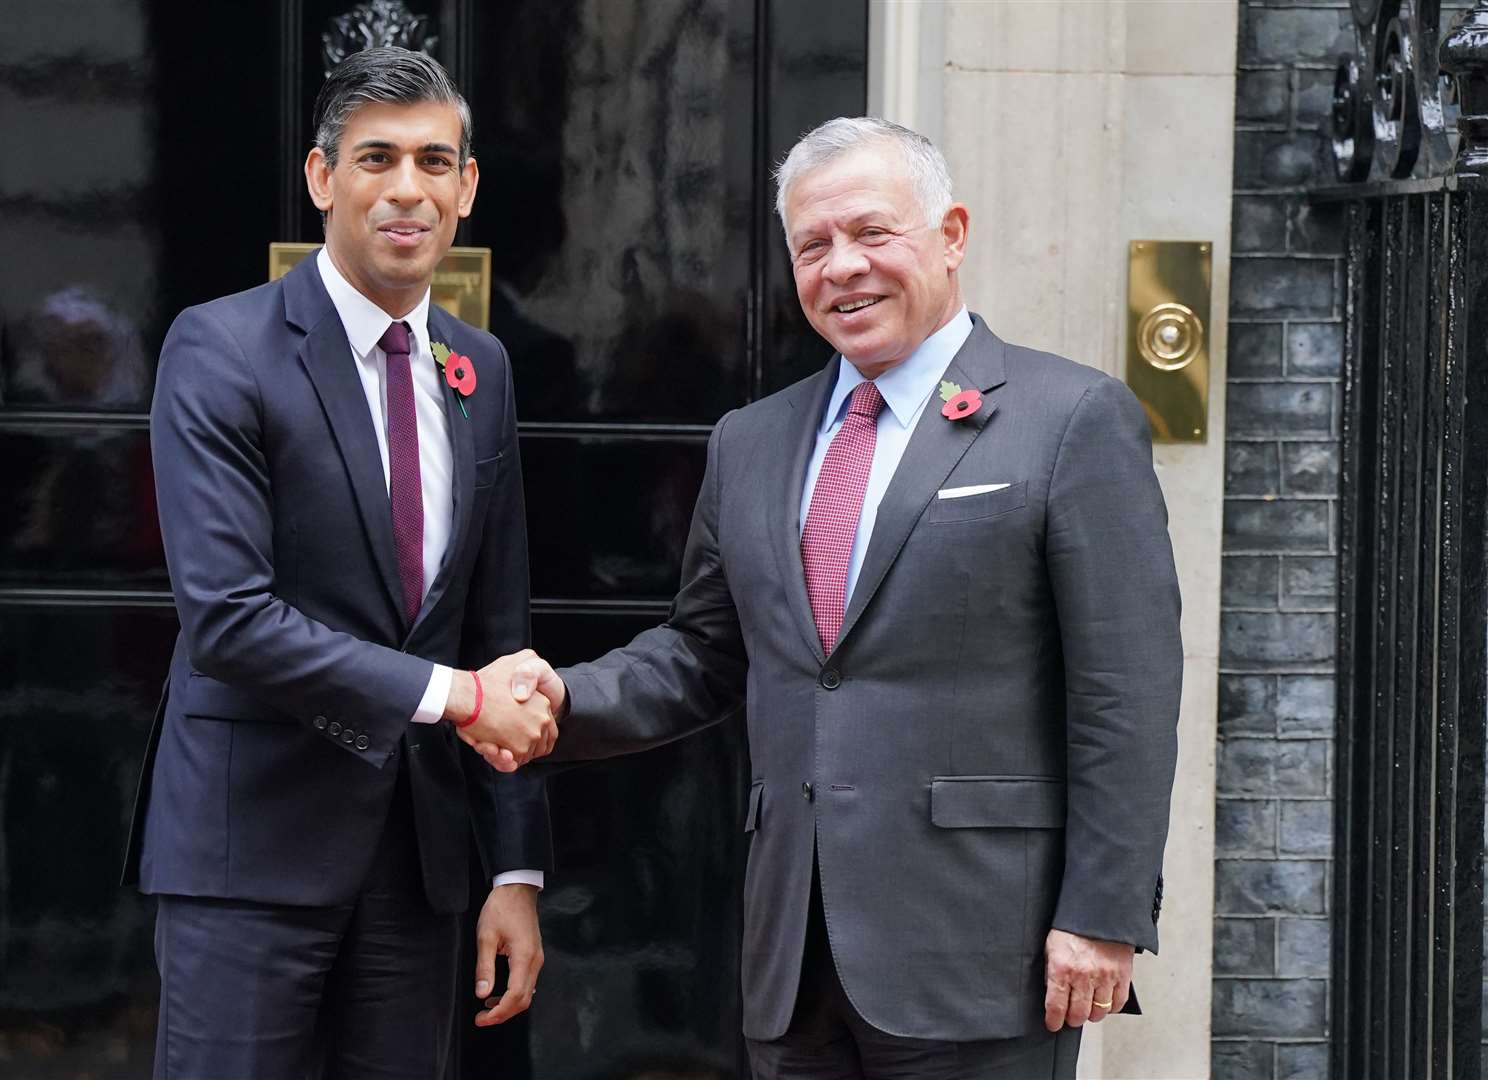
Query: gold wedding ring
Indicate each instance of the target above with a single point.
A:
(1102, 1004)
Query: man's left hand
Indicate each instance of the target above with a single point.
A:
(1084, 979)
(507, 927)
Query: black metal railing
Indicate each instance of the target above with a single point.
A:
(1413, 537)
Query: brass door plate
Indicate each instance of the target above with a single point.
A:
(462, 281)
(1167, 335)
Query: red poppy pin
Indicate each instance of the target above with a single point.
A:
(459, 372)
(959, 404)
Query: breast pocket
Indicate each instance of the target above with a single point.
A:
(486, 470)
(974, 507)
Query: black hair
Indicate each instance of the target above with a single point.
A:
(384, 74)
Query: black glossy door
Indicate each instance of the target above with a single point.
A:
(152, 153)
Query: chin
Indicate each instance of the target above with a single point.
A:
(407, 272)
(868, 349)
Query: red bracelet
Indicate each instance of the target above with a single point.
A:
(480, 699)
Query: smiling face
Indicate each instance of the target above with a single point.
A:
(393, 199)
(872, 277)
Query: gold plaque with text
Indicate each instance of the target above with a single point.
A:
(462, 284)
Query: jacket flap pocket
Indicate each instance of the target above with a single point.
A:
(203, 696)
(751, 817)
(997, 802)
(485, 471)
(986, 504)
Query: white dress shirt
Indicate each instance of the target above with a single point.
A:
(906, 388)
(365, 323)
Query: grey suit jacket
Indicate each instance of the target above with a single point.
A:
(987, 752)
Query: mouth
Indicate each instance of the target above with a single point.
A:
(404, 233)
(847, 307)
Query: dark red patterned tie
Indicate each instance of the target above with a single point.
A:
(405, 484)
(836, 507)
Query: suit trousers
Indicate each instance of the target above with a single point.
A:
(828, 1040)
(268, 991)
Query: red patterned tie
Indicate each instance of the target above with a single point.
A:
(405, 484)
(836, 506)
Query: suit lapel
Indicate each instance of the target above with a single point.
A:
(799, 439)
(933, 451)
(462, 440)
(326, 356)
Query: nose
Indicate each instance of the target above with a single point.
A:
(844, 262)
(405, 188)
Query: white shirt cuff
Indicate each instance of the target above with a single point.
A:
(436, 696)
(518, 877)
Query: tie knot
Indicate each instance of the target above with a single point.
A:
(394, 340)
(865, 401)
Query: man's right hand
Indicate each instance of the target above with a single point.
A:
(530, 679)
(508, 733)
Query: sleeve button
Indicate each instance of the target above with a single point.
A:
(363, 742)
(320, 723)
(335, 728)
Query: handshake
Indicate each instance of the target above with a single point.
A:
(508, 711)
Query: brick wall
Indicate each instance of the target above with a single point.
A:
(1274, 825)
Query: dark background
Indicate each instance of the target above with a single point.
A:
(151, 154)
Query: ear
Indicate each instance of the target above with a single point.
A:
(318, 179)
(469, 181)
(953, 229)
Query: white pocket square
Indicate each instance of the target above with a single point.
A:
(974, 489)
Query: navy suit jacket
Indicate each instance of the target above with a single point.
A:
(272, 760)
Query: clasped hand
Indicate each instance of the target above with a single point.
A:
(517, 721)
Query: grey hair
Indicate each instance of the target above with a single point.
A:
(928, 174)
(386, 74)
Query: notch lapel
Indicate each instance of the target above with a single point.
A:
(462, 482)
(798, 440)
(933, 451)
(326, 356)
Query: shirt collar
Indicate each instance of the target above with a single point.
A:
(364, 321)
(906, 385)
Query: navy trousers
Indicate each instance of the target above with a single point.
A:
(267, 991)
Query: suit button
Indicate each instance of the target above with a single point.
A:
(363, 742)
(320, 723)
(348, 736)
(335, 728)
(830, 679)
(806, 791)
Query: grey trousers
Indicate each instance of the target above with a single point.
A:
(828, 1040)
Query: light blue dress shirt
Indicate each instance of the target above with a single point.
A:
(906, 388)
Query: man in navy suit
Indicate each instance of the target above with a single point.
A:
(341, 502)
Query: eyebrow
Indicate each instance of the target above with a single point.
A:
(864, 216)
(859, 218)
(383, 144)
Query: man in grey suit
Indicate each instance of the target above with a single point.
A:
(938, 571)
